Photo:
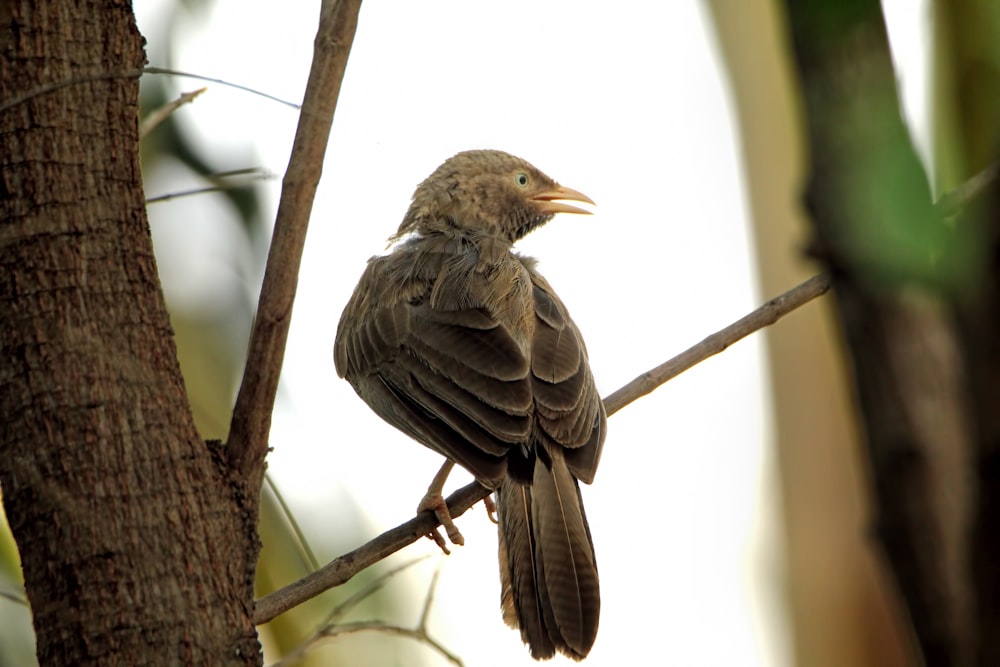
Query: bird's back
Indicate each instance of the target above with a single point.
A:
(456, 340)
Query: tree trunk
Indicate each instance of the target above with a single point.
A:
(840, 611)
(916, 298)
(138, 544)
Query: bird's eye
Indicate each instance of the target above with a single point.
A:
(521, 179)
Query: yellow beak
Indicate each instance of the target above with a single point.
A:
(548, 203)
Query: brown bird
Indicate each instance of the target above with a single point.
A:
(460, 343)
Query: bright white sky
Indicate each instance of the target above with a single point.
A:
(629, 106)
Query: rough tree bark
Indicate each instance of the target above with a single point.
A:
(138, 543)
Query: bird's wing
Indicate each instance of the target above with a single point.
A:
(569, 411)
(454, 379)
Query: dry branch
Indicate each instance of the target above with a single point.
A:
(155, 118)
(248, 433)
(764, 316)
(333, 627)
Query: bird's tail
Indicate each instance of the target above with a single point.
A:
(548, 572)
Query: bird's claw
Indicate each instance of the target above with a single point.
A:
(435, 536)
(491, 509)
(435, 503)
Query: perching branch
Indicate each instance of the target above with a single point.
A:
(340, 570)
(764, 316)
(248, 433)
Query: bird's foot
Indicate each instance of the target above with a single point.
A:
(491, 508)
(435, 502)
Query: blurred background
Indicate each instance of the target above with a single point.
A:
(730, 514)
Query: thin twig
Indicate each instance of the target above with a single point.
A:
(331, 628)
(953, 202)
(18, 597)
(305, 551)
(154, 118)
(221, 82)
(373, 587)
(343, 568)
(385, 628)
(340, 570)
(251, 423)
(429, 600)
(128, 74)
(251, 173)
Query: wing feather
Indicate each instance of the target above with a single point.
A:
(436, 364)
(568, 410)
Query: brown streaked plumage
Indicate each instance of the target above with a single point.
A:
(460, 343)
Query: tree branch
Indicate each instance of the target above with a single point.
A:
(764, 316)
(248, 433)
(340, 570)
(332, 627)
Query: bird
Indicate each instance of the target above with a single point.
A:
(458, 341)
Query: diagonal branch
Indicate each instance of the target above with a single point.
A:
(340, 570)
(248, 433)
(764, 316)
(333, 627)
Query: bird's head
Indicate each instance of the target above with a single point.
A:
(488, 191)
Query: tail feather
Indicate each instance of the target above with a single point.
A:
(519, 596)
(548, 569)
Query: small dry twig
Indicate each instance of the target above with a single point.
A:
(331, 629)
(154, 118)
(221, 82)
(251, 422)
(953, 202)
(306, 553)
(223, 182)
(17, 597)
